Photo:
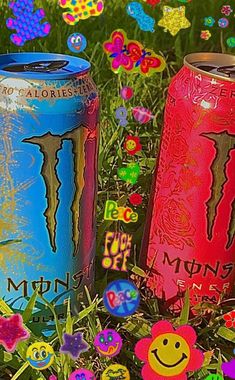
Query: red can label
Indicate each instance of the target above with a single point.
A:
(192, 229)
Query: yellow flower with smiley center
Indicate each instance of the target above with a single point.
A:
(169, 353)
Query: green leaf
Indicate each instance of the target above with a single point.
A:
(7, 356)
(69, 322)
(183, 318)
(138, 328)
(20, 371)
(57, 323)
(22, 349)
(219, 364)
(227, 334)
(207, 358)
(4, 308)
(137, 270)
(84, 313)
(30, 306)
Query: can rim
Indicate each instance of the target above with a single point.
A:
(77, 66)
(220, 58)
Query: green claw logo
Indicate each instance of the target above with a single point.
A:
(50, 145)
(224, 143)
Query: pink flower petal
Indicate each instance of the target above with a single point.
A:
(161, 327)
(141, 349)
(196, 360)
(182, 376)
(188, 333)
(148, 374)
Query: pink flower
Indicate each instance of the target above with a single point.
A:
(169, 352)
(226, 10)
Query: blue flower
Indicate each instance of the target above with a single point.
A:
(209, 21)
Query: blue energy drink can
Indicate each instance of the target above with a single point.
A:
(48, 179)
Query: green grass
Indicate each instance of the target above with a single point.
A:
(151, 93)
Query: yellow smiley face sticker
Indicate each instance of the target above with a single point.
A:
(116, 372)
(131, 145)
(169, 353)
(40, 355)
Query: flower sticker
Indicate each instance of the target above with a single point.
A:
(135, 199)
(223, 22)
(229, 319)
(209, 21)
(169, 353)
(226, 10)
(132, 145)
(231, 42)
(205, 35)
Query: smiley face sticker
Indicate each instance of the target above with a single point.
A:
(82, 374)
(116, 372)
(169, 352)
(108, 343)
(40, 355)
(77, 42)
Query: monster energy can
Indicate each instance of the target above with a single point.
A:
(48, 176)
(190, 236)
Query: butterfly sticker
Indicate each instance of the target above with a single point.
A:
(119, 54)
(145, 60)
(130, 56)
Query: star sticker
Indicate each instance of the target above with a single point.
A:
(73, 345)
(174, 19)
(12, 332)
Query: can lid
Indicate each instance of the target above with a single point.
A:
(42, 65)
(217, 65)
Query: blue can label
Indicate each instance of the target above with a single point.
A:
(48, 179)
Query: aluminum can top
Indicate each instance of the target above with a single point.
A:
(215, 65)
(42, 66)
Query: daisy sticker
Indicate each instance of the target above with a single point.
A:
(169, 352)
